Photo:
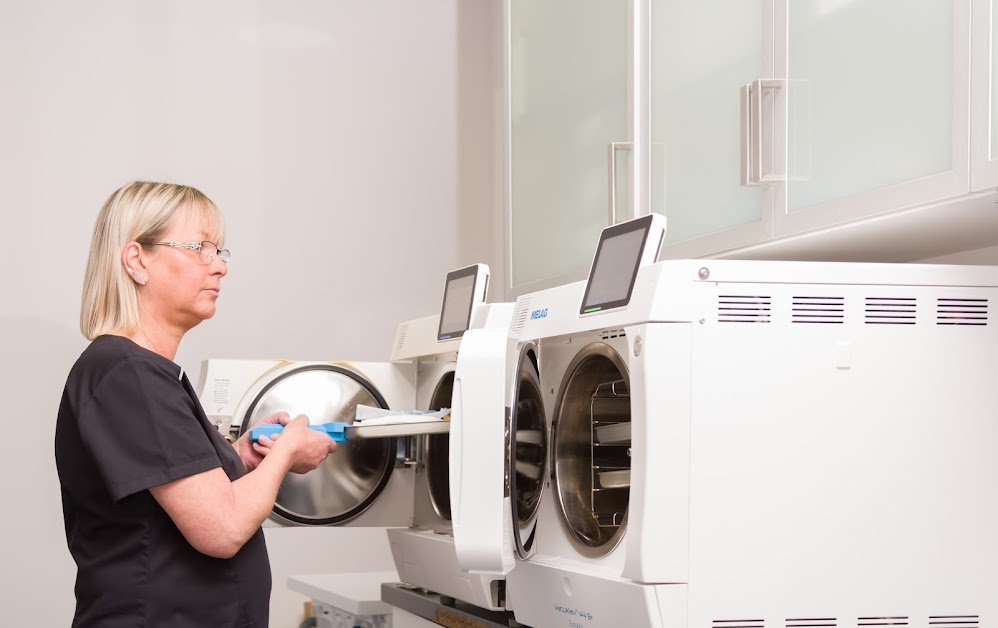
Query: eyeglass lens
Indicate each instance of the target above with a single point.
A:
(208, 252)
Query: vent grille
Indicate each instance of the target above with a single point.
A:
(738, 623)
(612, 333)
(743, 309)
(954, 621)
(962, 312)
(520, 315)
(890, 310)
(829, 310)
(400, 340)
(935, 621)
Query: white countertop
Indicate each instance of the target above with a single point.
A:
(358, 592)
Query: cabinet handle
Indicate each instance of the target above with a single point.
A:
(612, 158)
(752, 146)
(746, 144)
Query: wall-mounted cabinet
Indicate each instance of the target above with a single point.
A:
(804, 129)
(984, 104)
(701, 54)
(567, 96)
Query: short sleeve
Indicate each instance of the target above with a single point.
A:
(142, 430)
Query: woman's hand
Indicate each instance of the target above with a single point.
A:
(252, 453)
(308, 448)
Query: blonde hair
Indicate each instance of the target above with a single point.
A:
(140, 211)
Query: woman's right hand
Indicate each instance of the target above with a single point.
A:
(308, 447)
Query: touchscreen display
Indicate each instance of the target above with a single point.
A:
(615, 266)
(617, 261)
(456, 312)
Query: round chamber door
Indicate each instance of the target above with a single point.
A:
(526, 449)
(351, 479)
(436, 453)
(592, 449)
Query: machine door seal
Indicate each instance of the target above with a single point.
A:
(526, 448)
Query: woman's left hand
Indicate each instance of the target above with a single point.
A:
(252, 453)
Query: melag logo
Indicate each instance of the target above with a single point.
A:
(539, 314)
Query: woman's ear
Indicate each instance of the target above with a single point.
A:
(133, 258)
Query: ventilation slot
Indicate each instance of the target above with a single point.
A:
(954, 621)
(743, 309)
(819, 310)
(738, 623)
(399, 341)
(962, 312)
(612, 333)
(890, 311)
(520, 315)
(809, 622)
(882, 621)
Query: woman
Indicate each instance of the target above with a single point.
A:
(162, 514)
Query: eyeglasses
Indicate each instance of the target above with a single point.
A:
(207, 249)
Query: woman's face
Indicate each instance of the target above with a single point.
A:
(182, 288)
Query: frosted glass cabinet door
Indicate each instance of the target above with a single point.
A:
(984, 112)
(876, 107)
(993, 22)
(701, 54)
(568, 65)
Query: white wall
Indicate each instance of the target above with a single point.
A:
(348, 144)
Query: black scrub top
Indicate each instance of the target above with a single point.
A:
(130, 420)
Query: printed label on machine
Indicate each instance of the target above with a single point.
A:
(220, 395)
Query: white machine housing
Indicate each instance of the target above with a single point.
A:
(424, 552)
(497, 523)
(812, 444)
(353, 487)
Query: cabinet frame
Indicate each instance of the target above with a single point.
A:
(984, 165)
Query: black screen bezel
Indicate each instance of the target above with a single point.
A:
(644, 223)
(451, 276)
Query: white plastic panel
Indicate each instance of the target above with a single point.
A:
(427, 559)
(480, 509)
(657, 548)
(222, 385)
(543, 593)
(492, 316)
(830, 461)
(417, 338)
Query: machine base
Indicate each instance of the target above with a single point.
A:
(428, 560)
(557, 595)
(442, 610)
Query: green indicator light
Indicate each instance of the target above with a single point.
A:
(592, 309)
